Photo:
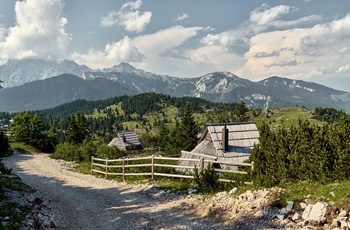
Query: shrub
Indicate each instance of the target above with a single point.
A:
(4, 145)
(112, 152)
(207, 180)
(68, 152)
(87, 151)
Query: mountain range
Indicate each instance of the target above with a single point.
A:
(34, 84)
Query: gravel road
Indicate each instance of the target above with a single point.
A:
(79, 201)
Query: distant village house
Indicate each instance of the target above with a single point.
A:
(127, 140)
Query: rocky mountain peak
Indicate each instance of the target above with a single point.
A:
(122, 67)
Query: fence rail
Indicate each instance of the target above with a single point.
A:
(110, 166)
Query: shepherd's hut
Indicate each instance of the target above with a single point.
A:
(127, 140)
(231, 143)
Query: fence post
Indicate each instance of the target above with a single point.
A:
(92, 164)
(252, 167)
(201, 164)
(106, 167)
(152, 169)
(123, 170)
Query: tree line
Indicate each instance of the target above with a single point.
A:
(303, 152)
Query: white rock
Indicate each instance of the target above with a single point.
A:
(303, 205)
(315, 212)
(334, 223)
(290, 206)
(259, 214)
(191, 190)
(279, 217)
(343, 213)
(344, 225)
(284, 211)
(250, 195)
(341, 218)
(221, 194)
(296, 216)
(232, 191)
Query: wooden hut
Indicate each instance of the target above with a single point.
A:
(127, 140)
(231, 143)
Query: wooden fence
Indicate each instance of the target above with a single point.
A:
(119, 167)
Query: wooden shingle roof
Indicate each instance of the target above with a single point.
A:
(241, 140)
(125, 139)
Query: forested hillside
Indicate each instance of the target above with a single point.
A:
(140, 104)
(291, 139)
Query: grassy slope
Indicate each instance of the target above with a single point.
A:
(286, 117)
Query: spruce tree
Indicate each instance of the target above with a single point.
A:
(53, 136)
(82, 127)
(188, 130)
(72, 134)
(77, 130)
(173, 144)
(240, 112)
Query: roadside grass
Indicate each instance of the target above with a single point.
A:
(337, 192)
(11, 214)
(175, 185)
(84, 168)
(23, 147)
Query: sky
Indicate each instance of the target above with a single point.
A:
(300, 39)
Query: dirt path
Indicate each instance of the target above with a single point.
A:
(81, 201)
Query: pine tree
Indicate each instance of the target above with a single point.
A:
(240, 112)
(188, 130)
(174, 145)
(162, 136)
(77, 130)
(21, 127)
(53, 136)
(83, 130)
(37, 127)
(72, 134)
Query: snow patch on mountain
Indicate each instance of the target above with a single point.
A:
(295, 84)
(259, 96)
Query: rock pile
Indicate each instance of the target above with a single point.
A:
(260, 210)
(39, 216)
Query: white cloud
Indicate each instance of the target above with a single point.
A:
(39, 31)
(142, 48)
(166, 53)
(303, 52)
(113, 53)
(128, 17)
(164, 40)
(264, 15)
(181, 17)
(262, 19)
